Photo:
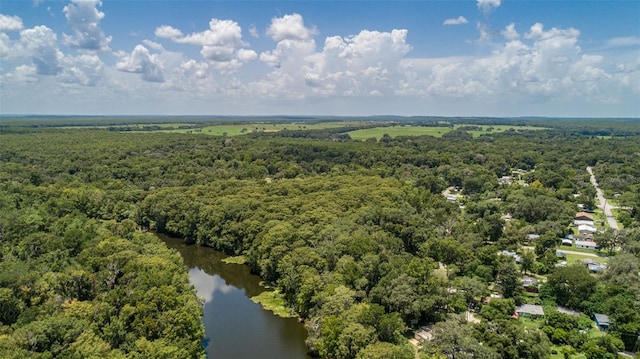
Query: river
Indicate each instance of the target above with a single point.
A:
(236, 327)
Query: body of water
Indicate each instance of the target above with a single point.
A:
(236, 327)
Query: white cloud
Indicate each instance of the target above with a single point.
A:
(221, 33)
(456, 21)
(488, 5)
(253, 31)
(10, 23)
(624, 41)
(84, 70)
(290, 27)
(140, 61)
(84, 18)
(484, 33)
(153, 45)
(40, 44)
(245, 55)
(221, 43)
(168, 32)
(510, 32)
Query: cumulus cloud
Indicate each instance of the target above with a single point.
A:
(247, 55)
(365, 64)
(40, 44)
(221, 43)
(290, 27)
(10, 23)
(456, 21)
(488, 5)
(540, 67)
(84, 18)
(140, 61)
(84, 70)
(510, 32)
(168, 32)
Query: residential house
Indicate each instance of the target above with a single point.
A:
(512, 254)
(530, 284)
(532, 237)
(589, 261)
(530, 311)
(423, 334)
(583, 216)
(584, 229)
(587, 245)
(579, 222)
(505, 180)
(602, 321)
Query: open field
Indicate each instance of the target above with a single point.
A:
(406, 130)
(241, 129)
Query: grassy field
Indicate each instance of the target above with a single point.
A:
(400, 130)
(241, 129)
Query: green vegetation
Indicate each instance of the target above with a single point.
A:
(355, 236)
(435, 131)
(235, 260)
(273, 301)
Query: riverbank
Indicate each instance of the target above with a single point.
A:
(272, 301)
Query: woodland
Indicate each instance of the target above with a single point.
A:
(356, 236)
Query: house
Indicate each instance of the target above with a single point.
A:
(530, 284)
(532, 237)
(589, 261)
(578, 222)
(423, 334)
(530, 311)
(583, 216)
(587, 229)
(587, 245)
(602, 321)
(505, 180)
(512, 254)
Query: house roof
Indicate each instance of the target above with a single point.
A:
(584, 214)
(587, 227)
(588, 261)
(602, 319)
(586, 243)
(530, 309)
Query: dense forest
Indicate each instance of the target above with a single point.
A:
(356, 236)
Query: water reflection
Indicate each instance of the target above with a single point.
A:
(236, 327)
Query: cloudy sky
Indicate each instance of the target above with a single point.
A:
(449, 58)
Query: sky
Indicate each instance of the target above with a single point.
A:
(429, 58)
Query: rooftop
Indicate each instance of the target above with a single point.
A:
(530, 309)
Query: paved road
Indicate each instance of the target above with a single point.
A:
(611, 220)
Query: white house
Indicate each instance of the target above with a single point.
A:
(579, 222)
(586, 245)
(586, 229)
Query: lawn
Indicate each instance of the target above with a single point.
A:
(406, 130)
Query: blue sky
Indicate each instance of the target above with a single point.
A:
(449, 58)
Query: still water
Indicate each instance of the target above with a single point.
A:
(236, 327)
